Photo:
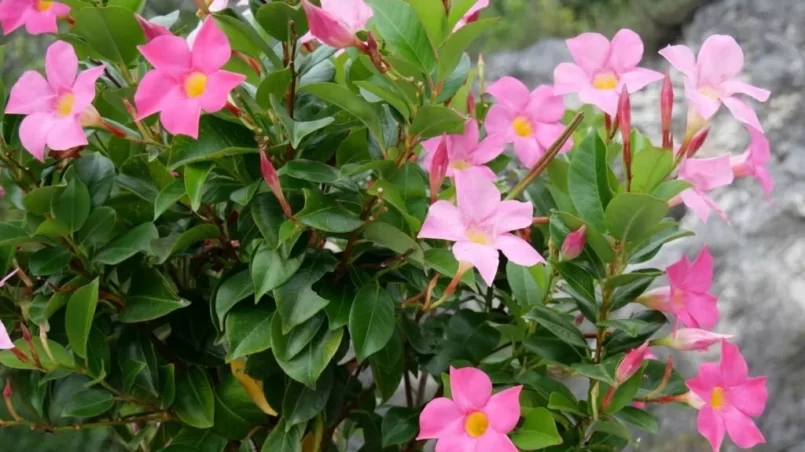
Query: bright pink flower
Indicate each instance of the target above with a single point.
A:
(603, 68)
(464, 151)
(481, 225)
(687, 339)
(38, 16)
(336, 22)
(727, 400)
(710, 80)
(573, 244)
(472, 14)
(688, 295)
(53, 106)
(5, 341)
(631, 363)
(150, 29)
(186, 81)
(529, 120)
(753, 162)
(705, 175)
(475, 420)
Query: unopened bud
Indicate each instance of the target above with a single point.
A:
(150, 29)
(471, 105)
(251, 62)
(7, 393)
(10, 406)
(372, 49)
(91, 118)
(666, 110)
(25, 333)
(273, 181)
(573, 244)
(438, 169)
(631, 363)
(687, 339)
(697, 142)
(625, 116)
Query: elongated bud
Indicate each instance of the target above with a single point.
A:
(625, 123)
(687, 339)
(631, 363)
(697, 142)
(7, 393)
(471, 105)
(667, 110)
(438, 169)
(91, 118)
(273, 181)
(446, 4)
(20, 355)
(253, 63)
(26, 335)
(150, 29)
(43, 339)
(481, 76)
(573, 244)
(329, 29)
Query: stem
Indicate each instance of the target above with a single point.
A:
(290, 95)
(161, 416)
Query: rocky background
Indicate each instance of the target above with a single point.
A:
(760, 254)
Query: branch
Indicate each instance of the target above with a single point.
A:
(161, 416)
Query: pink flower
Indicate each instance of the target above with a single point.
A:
(687, 339)
(475, 420)
(336, 22)
(472, 14)
(150, 29)
(529, 120)
(705, 175)
(573, 244)
(5, 341)
(186, 81)
(603, 68)
(727, 400)
(38, 16)
(53, 106)
(688, 295)
(631, 363)
(481, 225)
(710, 80)
(753, 162)
(464, 151)
(8, 276)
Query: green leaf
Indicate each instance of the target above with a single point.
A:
(296, 300)
(166, 247)
(629, 291)
(394, 239)
(639, 419)
(12, 234)
(248, 330)
(454, 46)
(270, 269)
(292, 343)
(559, 402)
(400, 424)
(528, 284)
(150, 297)
(300, 403)
(444, 262)
(135, 240)
(39, 200)
(434, 20)
(388, 366)
(650, 166)
(647, 248)
(268, 216)
(389, 193)
(194, 177)
(557, 324)
(167, 384)
(669, 189)
(537, 432)
(402, 30)
(310, 170)
(435, 120)
(284, 439)
(78, 319)
(217, 139)
(61, 357)
(273, 85)
(588, 182)
(324, 213)
(375, 90)
(98, 227)
(350, 102)
(597, 241)
(72, 207)
(89, 403)
(48, 261)
(630, 326)
(625, 393)
(631, 216)
(371, 320)
(167, 197)
(598, 372)
(234, 289)
(612, 428)
(621, 341)
(581, 286)
(98, 173)
(235, 413)
(307, 365)
(195, 402)
(337, 310)
(275, 16)
(112, 32)
(133, 5)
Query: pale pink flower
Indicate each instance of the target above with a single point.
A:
(710, 79)
(753, 162)
(38, 16)
(336, 22)
(705, 175)
(53, 106)
(150, 29)
(573, 244)
(688, 294)
(464, 151)
(631, 363)
(603, 68)
(8, 276)
(529, 120)
(474, 420)
(687, 339)
(481, 225)
(728, 399)
(186, 81)
(472, 14)
(5, 342)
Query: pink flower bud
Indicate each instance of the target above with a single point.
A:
(631, 363)
(328, 28)
(697, 142)
(269, 173)
(150, 29)
(687, 339)
(7, 390)
(666, 110)
(573, 244)
(625, 115)
(471, 105)
(438, 169)
(25, 333)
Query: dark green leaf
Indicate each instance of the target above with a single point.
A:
(235, 413)
(435, 120)
(598, 372)
(454, 46)
(296, 299)
(324, 213)
(194, 177)
(390, 237)
(89, 403)
(632, 289)
(39, 200)
(639, 419)
(112, 32)
(48, 261)
(307, 366)
(340, 304)
(630, 326)
(588, 182)
(270, 269)
(216, 139)
(72, 207)
(234, 289)
(444, 262)
(195, 402)
(400, 424)
(650, 166)
(98, 227)
(274, 18)
(388, 366)
(273, 85)
(528, 283)
(621, 341)
(301, 403)
(135, 240)
(283, 439)
(78, 319)
(557, 324)
(98, 174)
(310, 170)
(248, 330)
(537, 432)
(150, 297)
(268, 216)
(167, 197)
(561, 403)
(166, 247)
(631, 216)
(402, 30)
(350, 102)
(371, 320)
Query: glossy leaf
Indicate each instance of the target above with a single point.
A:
(133, 241)
(195, 402)
(78, 319)
(371, 320)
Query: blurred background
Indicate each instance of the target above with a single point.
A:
(759, 255)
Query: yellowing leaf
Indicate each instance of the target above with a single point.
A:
(253, 387)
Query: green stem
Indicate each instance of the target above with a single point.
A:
(161, 416)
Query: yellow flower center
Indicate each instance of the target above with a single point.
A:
(718, 399)
(476, 424)
(64, 105)
(477, 236)
(522, 127)
(709, 92)
(678, 299)
(195, 84)
(43, 5)
(606, 81)
(460, 165)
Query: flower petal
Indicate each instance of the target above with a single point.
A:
(478, 197)
(700, 310)
(547, 134)
(734, 370)
(34, 131)
(605, 100)
(708, 378)
(181, 116)
(706, 106)
(591, 51)
(84, 88)
(742, 112)
(570, 78)
(30, 94)
(65, 134)
(499, 122)
(682, 59)
(518, 250)
(711, 426)
(720, 59)
(5, 341)
(528, 150)
(152, 92)
(485, 258)
(494, 442)
(731, 87)
(544, 105)
(168, 54)
(638, 78)
(750, 396)
(11, 14)
(708, 173)
(514, 215)
(61, 66)
(694, 200)
(487, 150)
(700, 277)
(463, 144)
(456, 443)
(219, 85)
(627, 51)
(443, 222)
(211, 48)
(742, 430)
(40, 23)
(470, 387)
(437, 416)
(503, 410)
(509, 92)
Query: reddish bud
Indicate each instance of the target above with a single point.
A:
(328, 28)
(666, 110)
(19, 354)
(697, 142)
(471, 105)
(573, 244)
(25, 333)
(372, 49)
(269, 172)
(631, 363)
(438, 169)
(150, 29)
(7, 390)
(625, 116)
(687, 339)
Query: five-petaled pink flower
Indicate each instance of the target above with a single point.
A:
(186, 81)
(472, 14)
(688, 294)
(5, 341)
(38, 16)
(705, 175)
(336, 22)
(687, 339)
(475, 420)
(53, 106)
(603, 68)
(753, 162)
(481, 225)
(464, 151)
(631, 363)
(728, 399)
(710, 79)
(529, 120)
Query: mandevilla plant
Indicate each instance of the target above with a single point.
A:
(256, 237)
